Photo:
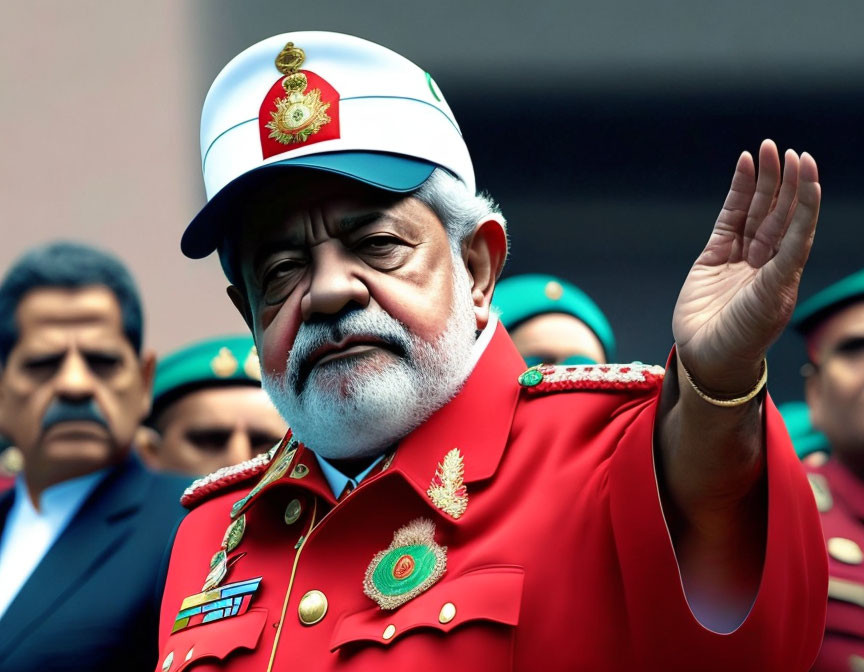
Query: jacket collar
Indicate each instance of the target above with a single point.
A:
(477, 421)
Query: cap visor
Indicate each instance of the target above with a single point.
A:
(383, 171)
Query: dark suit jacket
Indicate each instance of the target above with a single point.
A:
(93, 601)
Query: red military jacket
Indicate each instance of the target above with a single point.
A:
(561, 559)
(840, 498)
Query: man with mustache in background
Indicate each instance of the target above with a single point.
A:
(436, 505)
(83, 531)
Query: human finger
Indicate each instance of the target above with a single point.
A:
(766, 238)
(767, 184)
(725, 241)
(795, 245)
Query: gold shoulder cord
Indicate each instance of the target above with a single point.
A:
(729, 403)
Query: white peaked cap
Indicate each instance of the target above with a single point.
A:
(361, 110)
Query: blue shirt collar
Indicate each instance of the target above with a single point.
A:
(337, 480)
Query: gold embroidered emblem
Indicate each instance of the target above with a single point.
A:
(411, 564)
(252, 365)
(224, 364)
(447, 490)
(298, 115)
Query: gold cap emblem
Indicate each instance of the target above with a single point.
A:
(290, 59)
(224, 364)
(298, 115)
(252, 365)
(554, 290)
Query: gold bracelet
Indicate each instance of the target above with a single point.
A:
(729, 403)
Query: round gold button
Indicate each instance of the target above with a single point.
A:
(293, 511)
(856, 663)
(845, 550)
(389, 631)
(312, 608)
(299, 471)
(447, 613)
(166, 664)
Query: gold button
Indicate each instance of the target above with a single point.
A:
(447, 613)
(166, 664)
(293, 511)
(845, 550)
(189, 655)
(313, 607)
(299, 471)
(389, 631)
(856, 663)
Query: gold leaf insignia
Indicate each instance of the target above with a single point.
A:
(252, 365)
(298, 115)
(447, 490)
(224, 364)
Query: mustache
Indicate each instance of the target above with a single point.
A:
(312, 335)
(61, 410)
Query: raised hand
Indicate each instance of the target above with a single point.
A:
(741, 291)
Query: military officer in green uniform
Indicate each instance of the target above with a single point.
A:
(209, 410)
(551, 321)
(832, 323)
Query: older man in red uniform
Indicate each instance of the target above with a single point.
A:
(436, 505)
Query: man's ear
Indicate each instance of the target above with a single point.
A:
(147, 444)
(485, 252)
(148, 373)
(813, 396)
(238, 298)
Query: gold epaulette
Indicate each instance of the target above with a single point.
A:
(220, 480)
(603, 377)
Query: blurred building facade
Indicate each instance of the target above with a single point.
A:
(608, 132)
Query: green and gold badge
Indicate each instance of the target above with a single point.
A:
(410, 565)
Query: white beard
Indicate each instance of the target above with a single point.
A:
(344, 410)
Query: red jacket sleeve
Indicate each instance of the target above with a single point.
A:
(783, 630)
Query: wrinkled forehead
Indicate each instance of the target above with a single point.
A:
(53, 314)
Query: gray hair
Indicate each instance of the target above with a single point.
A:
(458, 209)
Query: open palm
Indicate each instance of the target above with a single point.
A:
(741, 291)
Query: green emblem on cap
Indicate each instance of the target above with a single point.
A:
(409, 566)
(531, 377)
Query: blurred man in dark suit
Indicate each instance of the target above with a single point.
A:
(83, 531)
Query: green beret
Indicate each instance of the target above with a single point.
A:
(815, 310)
(226, 360)
(804, 437)
(522, 297)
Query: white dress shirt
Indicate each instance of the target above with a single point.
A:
(29, 534)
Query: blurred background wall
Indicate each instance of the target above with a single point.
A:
(607, 131)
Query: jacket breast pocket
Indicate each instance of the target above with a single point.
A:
(465, 622)
(202, 646)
